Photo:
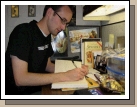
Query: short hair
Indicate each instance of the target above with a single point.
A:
(56, 8)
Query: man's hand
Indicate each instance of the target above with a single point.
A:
(77, 73)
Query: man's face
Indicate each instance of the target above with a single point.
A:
(58, 21)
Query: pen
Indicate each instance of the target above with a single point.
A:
(97, 78)
(74, 64)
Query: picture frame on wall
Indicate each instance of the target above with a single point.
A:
(14, 11)
(75, 37)
(31, 10)
(73, 34)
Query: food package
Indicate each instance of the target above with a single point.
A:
(109, 84)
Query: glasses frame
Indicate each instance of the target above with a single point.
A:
(62, 20)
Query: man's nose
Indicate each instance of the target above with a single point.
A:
(63, 27)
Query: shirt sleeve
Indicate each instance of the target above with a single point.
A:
(19, 44)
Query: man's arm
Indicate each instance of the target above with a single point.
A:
(24, 78)
(50, 66)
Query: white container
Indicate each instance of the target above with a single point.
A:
(116, 64)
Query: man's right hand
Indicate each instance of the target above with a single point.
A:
(77, 73)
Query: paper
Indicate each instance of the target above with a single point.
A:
(70, 89)
(91, 80)
(74, 84)
(63, 66)
(82, 51)
(92, 76)
(111, 38)
(93, 71)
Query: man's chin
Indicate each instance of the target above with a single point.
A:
(55, 34)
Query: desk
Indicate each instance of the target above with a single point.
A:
(46, 90)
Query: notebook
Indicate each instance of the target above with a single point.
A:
(63, 66)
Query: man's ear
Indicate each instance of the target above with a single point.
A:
(49, 12)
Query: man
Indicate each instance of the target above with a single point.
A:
(28, 64)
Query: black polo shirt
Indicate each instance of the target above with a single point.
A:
(29, 44)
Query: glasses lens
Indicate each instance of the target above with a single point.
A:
(63, 20)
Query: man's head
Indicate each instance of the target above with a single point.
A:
(57, 17)
(56, 8)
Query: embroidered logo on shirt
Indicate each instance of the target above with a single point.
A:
(43, 47)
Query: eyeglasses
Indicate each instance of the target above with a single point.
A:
(63, 21)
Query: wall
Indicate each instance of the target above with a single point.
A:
(116, 26)
(118, 29)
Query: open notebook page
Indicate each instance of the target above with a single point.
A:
(63, 66)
